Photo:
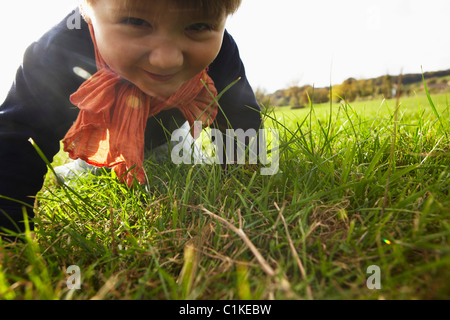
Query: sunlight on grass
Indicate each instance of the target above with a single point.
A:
(308, 232)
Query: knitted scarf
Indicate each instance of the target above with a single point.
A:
(110, 127)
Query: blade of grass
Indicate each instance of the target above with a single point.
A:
(433, 106)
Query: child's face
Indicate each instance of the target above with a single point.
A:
(153, 44)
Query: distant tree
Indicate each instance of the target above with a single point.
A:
(366, 88)
(307, 95)
(316, 95)
(387, 86)
(294, 92)
(280, 101)
(348, 90)
(279, 98)
(262, 97)
(295, 103)
(322, 95)
(384, 86)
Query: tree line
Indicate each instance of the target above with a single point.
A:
(352, 89)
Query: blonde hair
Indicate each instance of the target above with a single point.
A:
(207, 7)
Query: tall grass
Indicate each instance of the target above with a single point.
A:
(309, 232)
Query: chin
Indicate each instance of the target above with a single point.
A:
(162, 93)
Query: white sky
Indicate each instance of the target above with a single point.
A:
(288, 42)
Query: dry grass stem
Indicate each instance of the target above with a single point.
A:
(263, 263)
(294, 251)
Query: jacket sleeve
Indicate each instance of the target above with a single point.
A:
(238, 103)
(38, 107)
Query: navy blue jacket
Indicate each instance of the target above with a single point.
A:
(38, 107)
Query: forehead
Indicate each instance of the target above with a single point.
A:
(196, 8)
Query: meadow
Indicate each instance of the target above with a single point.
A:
(359, 210)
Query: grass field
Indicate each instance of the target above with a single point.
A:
(362, 199)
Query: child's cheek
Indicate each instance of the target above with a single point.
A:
(205, 55)
(119, 57)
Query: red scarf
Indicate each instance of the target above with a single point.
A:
(110, 127)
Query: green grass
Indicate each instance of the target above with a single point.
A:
(347, 189)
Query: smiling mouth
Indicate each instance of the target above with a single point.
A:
(160, 77)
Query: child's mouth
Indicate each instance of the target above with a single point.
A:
(160, 77)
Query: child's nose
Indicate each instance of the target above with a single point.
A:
(166, 56)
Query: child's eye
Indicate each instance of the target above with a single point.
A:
(136, 22)
(199, 27)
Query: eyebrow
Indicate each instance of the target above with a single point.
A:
(122, 9)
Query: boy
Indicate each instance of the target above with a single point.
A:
(157, 47)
